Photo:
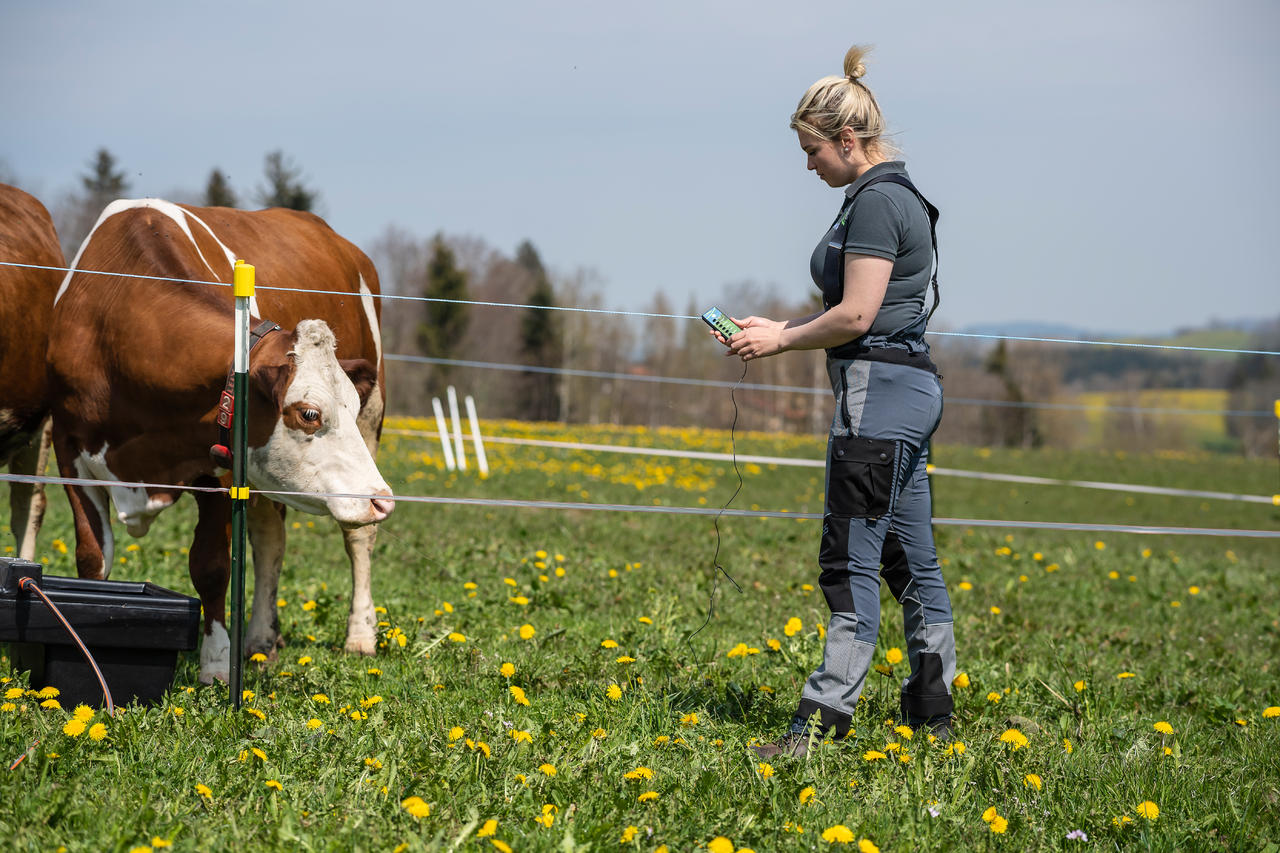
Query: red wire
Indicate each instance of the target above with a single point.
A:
(28, 583)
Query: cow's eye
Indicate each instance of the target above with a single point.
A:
(310, 415)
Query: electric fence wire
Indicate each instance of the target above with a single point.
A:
(804, 389)
(621, 313)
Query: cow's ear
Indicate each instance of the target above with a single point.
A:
(362, 374)
(273, 380)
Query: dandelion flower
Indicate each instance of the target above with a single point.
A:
(1080, 686)
(74, 728)
(490, 828)
(502, 846)
(645, 620)
(1014, 737)
(608, 644)
(1148, 810)
(807, 794)
(1122, 821)
(1163, 728)
(965, 585)
(993, 696)
(865, 846)
(1271, 712)
(614, 692)
(274, 785)
(456, 732)
(904, 732)
(990, 814)
(995, 611)
(547, 770)
(690, 719)
(520, 736)
(455, 637)
(1031, 780)
(257, 657)
(507, 670)
(598, 733)
(1125, 675)
(773, 645)
(1066, 745)
(838, 834)
(625, 659)
(97, 731)
(956, 748)
(320, 699)
(647, 796)
(638, 773)
(719, 844)
(51, 704)
(999, 825)
(83, 713)
(527, 631)
(893, 656)
(416, 807)
(204, 791)
(873, 755)
(793, 627)
(518, 694)
(961, 680)
(765, 770)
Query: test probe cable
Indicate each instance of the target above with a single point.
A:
(716, 568)
(29, 584)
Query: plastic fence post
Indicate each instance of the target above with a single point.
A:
(243, 290)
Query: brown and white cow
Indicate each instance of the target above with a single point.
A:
(137, 367)
(26, 300)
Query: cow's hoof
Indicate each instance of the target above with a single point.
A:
(362, 645)
(210, 676)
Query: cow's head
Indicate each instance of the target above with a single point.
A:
(315, 446)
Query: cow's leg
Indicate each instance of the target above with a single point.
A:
(27, 501)
(362, 624)
(266, 535)
(90, 506)
(210, 566)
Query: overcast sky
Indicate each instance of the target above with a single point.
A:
(1109, 164)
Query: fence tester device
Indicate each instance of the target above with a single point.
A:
(716, 319)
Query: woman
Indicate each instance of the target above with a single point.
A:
(874, 268)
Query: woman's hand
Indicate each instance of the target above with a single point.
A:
(760, 337)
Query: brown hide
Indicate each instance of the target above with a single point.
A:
(140, 364)
(26, 300)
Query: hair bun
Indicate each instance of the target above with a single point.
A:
(853, 67)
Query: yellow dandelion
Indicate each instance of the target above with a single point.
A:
(455, 637)
(51, 704)
(765, 770)
(262, 756)
(314, 724)
(416, 806)
(1122, 821)
(965, 585)
(1080, 686)
(527, 631)
(608, 644)
(893, 656)
(1271, 712)
(614, 692)
(1015, 738)
(598, 733)
(625, 659)
(904, 732)
(1194, 590)
(865, 846)
(274, 785)
(547, 770)
(501, 846)
(257, 657)
(1148, 810)
(204, 791)
(490, 828)
(719, 844)
(74, 728)
(638, 773)
(690, 719)
(320, 699)
(961, 680)
(993, 696)
(520, 736)
(807, 794)
(793, 627)
(83, 713)
(97, 731)
(518, 694)
(647, 796)
(873, 755)
(773, 645)
(1163, 728)
(838, 834)
(1125, 675)
(1031, 780)
(999, 825)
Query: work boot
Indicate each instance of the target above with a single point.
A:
(792, 744)
(939, 727)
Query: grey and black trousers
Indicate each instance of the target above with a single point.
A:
(879, 509)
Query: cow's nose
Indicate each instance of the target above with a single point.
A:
(383, 505)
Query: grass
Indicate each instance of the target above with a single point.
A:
(1062, 637)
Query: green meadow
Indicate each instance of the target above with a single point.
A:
(564, 680)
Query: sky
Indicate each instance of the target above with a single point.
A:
(1105, 164)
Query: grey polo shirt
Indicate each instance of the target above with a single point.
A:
(887, 221)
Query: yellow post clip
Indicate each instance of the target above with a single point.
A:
(243, 279)
(1278, 408)
(239, 493)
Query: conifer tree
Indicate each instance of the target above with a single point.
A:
(540, 340)
(218, 192)
(446, 322)
(284, 186)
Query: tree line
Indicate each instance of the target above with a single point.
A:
(579, 367)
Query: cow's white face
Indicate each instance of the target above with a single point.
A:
(316, 446)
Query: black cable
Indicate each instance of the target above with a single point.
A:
(716, 568)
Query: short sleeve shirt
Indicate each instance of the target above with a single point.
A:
(887, 221)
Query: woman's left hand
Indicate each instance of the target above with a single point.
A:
(760, 337)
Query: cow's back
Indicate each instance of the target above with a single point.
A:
(27, 236)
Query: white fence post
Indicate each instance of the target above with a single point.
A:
(458, 450)
(481, 461)
(442, 430)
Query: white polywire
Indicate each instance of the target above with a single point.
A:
(621, 313)
(679, 510)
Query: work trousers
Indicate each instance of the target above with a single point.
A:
(879, 509)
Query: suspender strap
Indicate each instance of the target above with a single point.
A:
(220, 453)
(833, 262)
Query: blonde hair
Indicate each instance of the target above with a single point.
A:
(834, 103)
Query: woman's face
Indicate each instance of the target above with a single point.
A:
(829, 158)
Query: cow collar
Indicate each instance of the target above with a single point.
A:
(220, 453)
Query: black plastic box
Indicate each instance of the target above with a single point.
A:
(133, 630)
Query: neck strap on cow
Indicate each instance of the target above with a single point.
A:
(220, 453)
